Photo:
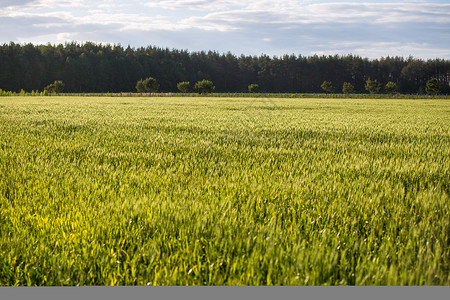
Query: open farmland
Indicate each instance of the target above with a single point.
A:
(217, 191)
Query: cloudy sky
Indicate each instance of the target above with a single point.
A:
(368, 28)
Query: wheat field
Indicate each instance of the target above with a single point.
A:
(224, 191)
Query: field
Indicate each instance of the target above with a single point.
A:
(224, 191)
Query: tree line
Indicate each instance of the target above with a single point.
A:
(92, 67)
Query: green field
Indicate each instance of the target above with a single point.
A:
(217, 191)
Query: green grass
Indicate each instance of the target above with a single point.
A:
(198, 191)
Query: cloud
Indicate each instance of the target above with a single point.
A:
(24, 29)
(9, 3)
(376, 50)
(41, 3)
(205, 5)
(232, 15)
(330, 13)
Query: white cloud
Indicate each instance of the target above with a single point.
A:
(379, 12)
(375, 50)
(230, 15)
(43, 3)
(331, 13)
(233, 15)
(8, 3)
(208, 5)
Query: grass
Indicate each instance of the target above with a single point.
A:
(220, 191)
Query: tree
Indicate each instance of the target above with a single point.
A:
(148, 85)
(55, 87)
(184, 86)
(372, 86)
(253, 88)
(433, 86)
(327, 86)
(140, 86)
(391, 88)
(94, 67)
(348, 88)
(204, 86)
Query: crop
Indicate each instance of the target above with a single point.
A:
(224, 191)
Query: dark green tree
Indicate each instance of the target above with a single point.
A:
(91, 67)
(253, 88)
(391, 88)
(184, 86)
(56, 87)
(372, 86)
(327, 86)
(204, 86)
(140, 86)
(348, 88)
(148, 85)
(433, 86)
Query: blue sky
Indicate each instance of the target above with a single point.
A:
(368, 28)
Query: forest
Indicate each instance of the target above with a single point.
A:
(91, 67)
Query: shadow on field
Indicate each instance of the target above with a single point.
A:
(253, 113)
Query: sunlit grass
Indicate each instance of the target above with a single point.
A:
(199, 191)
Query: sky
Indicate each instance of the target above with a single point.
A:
(370, 29)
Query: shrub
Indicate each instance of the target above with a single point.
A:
(433, 86)
(327, 86)
(55, 88)
(148, 85)
(184, 86)
(348, 88)
(204, 86)
(253, 88)
(391, 87)
(372, 86)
